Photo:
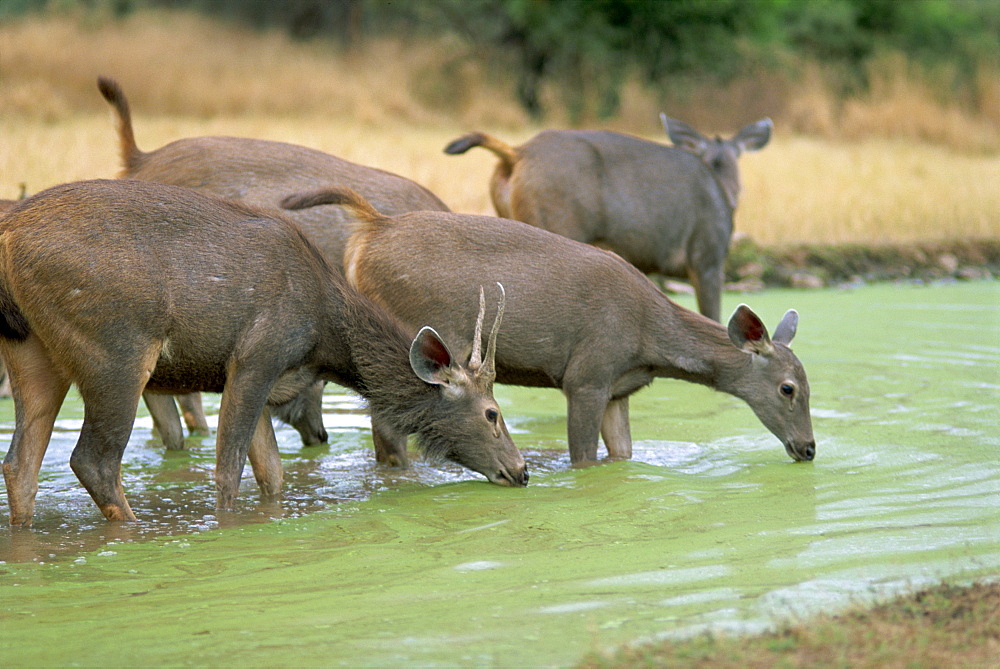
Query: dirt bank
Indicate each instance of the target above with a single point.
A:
(946, 625)
(750, 267)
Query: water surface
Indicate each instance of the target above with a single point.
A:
(709, 526)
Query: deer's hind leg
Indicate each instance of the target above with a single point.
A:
(265, 459)
(111, 395)
(194, 413)
(166, 420)
(39, 389)
(707, 285)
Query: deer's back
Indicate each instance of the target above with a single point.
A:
(254, 169)
(648, 202)
(105, 267)
(262, 172)
(564, 299)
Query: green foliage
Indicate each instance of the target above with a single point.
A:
(16, 7)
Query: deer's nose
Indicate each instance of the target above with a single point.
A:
(520, 477)
(808, 452)
(517, 478)
(801, 452)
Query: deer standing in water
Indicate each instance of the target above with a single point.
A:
(259, 172)
(580, 319)
(123, 286)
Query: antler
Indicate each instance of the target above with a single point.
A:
(477, 363)
(489, 365)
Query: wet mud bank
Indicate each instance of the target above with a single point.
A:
(750, 267)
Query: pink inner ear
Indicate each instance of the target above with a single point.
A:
(752, 327)
(434, 350)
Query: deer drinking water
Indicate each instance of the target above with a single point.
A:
(260, 172)
(580, 319)
(120, 286)
(664, 209)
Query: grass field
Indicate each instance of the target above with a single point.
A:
(944, 626)
(798, 189)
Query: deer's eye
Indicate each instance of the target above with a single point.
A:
(492, 415)
(787, 389)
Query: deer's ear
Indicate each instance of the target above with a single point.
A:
(747, 331)
(430, 358)
(755, 136)
(684, 136)
(785, 332)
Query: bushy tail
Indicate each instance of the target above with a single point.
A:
(507, 154)
(112, 92)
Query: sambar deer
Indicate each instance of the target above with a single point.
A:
(261, 172)
(166, 420)
(665, 209)
(580, 319)
(5, 206)
(118, 286)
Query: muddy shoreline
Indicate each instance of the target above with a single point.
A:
(750, 267)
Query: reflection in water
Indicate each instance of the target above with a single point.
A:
(173, 493)
(709, 526)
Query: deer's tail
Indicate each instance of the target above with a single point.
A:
(112, 92)
(507, 154)
(13, 324)
(339, 195)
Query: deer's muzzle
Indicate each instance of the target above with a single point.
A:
(517, 478)
(801, 452)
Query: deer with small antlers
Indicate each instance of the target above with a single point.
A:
(123, 286)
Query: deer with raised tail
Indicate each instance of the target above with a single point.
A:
(665, 209)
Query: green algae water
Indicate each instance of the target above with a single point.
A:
(709, 526)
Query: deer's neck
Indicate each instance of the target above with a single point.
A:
(691, 347)
(369, 353)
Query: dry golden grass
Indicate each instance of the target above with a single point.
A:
(901, 103)
(395, 105)
(176, 63)
(796, 190)
(810, 190)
